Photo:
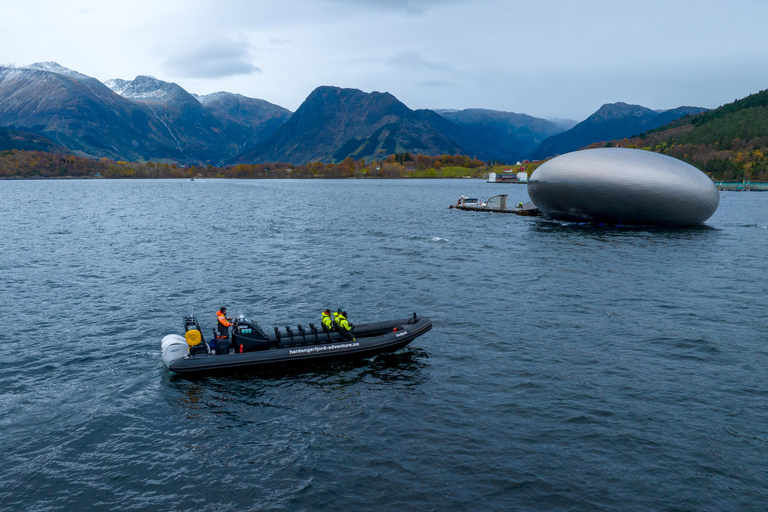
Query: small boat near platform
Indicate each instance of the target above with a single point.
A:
(496, 204)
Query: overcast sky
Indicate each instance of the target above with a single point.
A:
(549, 58)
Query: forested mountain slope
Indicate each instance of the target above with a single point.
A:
(729, 142)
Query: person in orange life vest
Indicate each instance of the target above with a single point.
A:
(224, 322)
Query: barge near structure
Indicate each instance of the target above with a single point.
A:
(496, 204)
(520, 177)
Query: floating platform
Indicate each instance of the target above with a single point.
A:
(742, 186)
(496, 204)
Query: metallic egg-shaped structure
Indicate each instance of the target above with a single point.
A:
(623, 186)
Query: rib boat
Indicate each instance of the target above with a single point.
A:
(248, 346)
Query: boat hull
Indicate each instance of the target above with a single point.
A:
(298, 352)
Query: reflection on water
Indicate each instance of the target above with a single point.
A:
(405, 367)
(545, 225)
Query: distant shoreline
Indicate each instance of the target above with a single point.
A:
(44, 178)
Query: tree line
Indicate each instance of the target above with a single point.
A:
(32, 164)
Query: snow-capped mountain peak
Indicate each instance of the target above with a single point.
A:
(55, 67)
(205, 99)
(147, 88)
(37, 67)
(118, 85)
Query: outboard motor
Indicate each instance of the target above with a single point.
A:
(173, 347)
(248, 336)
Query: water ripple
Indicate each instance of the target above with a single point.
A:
(571, 366)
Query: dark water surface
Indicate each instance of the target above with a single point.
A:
(570, 367)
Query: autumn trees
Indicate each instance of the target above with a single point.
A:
(17, 163)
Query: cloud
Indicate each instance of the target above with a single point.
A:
(217, 59)
(414, 61)
(435, 83)
(418, 7)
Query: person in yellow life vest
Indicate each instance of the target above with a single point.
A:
(223, 322)
(326, 320)
(344, 325)
(336, 316)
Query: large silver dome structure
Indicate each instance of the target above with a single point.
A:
(623, 186)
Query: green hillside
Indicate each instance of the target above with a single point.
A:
(13, 139)
(728, 143)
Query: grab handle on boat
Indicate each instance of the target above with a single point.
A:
(303, 334)
(327, 331)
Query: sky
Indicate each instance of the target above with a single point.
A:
(548, 58)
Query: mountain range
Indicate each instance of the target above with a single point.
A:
(504, 136)
(333, 124)
(141, 119)
(611, 121)
(148, 119)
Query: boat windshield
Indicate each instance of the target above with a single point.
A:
(245, 320)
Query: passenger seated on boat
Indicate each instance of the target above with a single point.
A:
(326, 320)
(344, 326)
(223, 323)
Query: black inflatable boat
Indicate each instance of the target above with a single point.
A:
(249, 346)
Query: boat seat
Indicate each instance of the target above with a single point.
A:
(201, 348)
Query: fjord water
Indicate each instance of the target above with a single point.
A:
(570, 367)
